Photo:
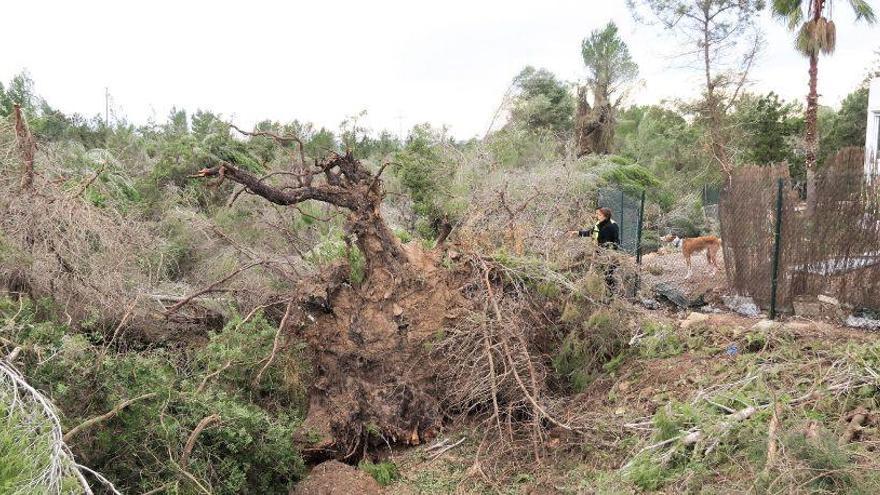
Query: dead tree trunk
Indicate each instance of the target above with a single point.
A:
(594, 125)
(372, 384)
(27, 146)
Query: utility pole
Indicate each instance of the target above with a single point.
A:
(107, 106)
(400, 127)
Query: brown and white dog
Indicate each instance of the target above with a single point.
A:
(693, 245)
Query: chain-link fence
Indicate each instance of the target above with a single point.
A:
(628, 212)
(779, 247)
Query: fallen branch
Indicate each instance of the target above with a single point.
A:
(88, 183)
(122, 323)
(275, 343)
(211, 288)
(773, 434)
(27, 146)
(212, 375)
(104, 417)
(854, 426)
(282, 140)
(446, 449)
(191, 441)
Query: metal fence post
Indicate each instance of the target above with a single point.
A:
(621, 215)
(639, 229)
(774, 280)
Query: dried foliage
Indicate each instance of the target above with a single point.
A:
(497, 366)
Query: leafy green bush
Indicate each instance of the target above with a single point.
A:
(660, 341)
(384, 473)
(588, 347)
(250, 450)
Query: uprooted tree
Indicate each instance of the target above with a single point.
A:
(371, 385)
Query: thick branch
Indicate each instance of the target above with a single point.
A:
(191, 441)
(104, 417)
(327, 193)
(210, 288)
(278, 139)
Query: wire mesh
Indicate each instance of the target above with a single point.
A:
(830, 249)
(626, 212)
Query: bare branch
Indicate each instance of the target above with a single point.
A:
(104, 417)
(191, 441)
(210, 288)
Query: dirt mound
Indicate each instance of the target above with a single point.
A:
(336, 478)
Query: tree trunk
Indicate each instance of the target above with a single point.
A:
(594, 126)
(582, 122)
(27, 146)
(811, 137)
(717, 138)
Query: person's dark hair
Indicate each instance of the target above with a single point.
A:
(606, 212)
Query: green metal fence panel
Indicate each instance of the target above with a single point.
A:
(626, 211)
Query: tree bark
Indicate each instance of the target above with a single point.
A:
(348, 185)
(27, 146)
(717, 140)
(594, 125)
(811, 135)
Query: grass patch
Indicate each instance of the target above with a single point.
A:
(384, 473)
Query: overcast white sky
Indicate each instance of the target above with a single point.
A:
(403, 62)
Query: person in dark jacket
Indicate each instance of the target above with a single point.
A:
(606, 234)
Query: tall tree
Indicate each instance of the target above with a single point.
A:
(611, 69)
(542, 101)
(769, 129)
(721, 35)
(816, 34)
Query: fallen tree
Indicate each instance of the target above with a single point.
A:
(371, 385)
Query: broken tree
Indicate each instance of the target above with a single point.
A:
(611, 71)
(372, 384)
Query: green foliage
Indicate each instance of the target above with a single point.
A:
(608, 62)
(660, 341)
(333, 247)
(846, 127)
(424, 173)
(518, 146)
(659, 139)
(542, 102)
(250, 450)
(823, 455)
(25, 448)
(770, 128)
(384, 473)
(588, 347)
(632, 178)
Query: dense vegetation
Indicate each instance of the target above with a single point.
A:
(213, 412)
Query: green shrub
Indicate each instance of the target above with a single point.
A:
(384, 473)
(249, 451)
(588, 347)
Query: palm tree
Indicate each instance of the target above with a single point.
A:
(816, 35)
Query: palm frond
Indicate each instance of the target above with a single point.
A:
(791, 11)
(863, 11)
